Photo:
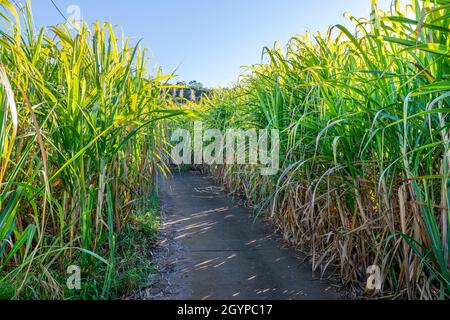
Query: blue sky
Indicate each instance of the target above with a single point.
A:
(209, 40)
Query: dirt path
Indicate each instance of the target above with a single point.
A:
(212, 249)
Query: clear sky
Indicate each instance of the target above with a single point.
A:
(209, 40)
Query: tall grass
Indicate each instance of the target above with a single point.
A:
(81, 141)
(364, 120)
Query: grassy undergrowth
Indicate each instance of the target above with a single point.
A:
(134, 259)
(131, 265)
(132, 262)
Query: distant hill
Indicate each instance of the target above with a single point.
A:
(193, 91)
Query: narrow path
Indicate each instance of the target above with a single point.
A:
(217, 251)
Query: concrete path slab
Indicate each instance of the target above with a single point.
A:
(223, 254)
